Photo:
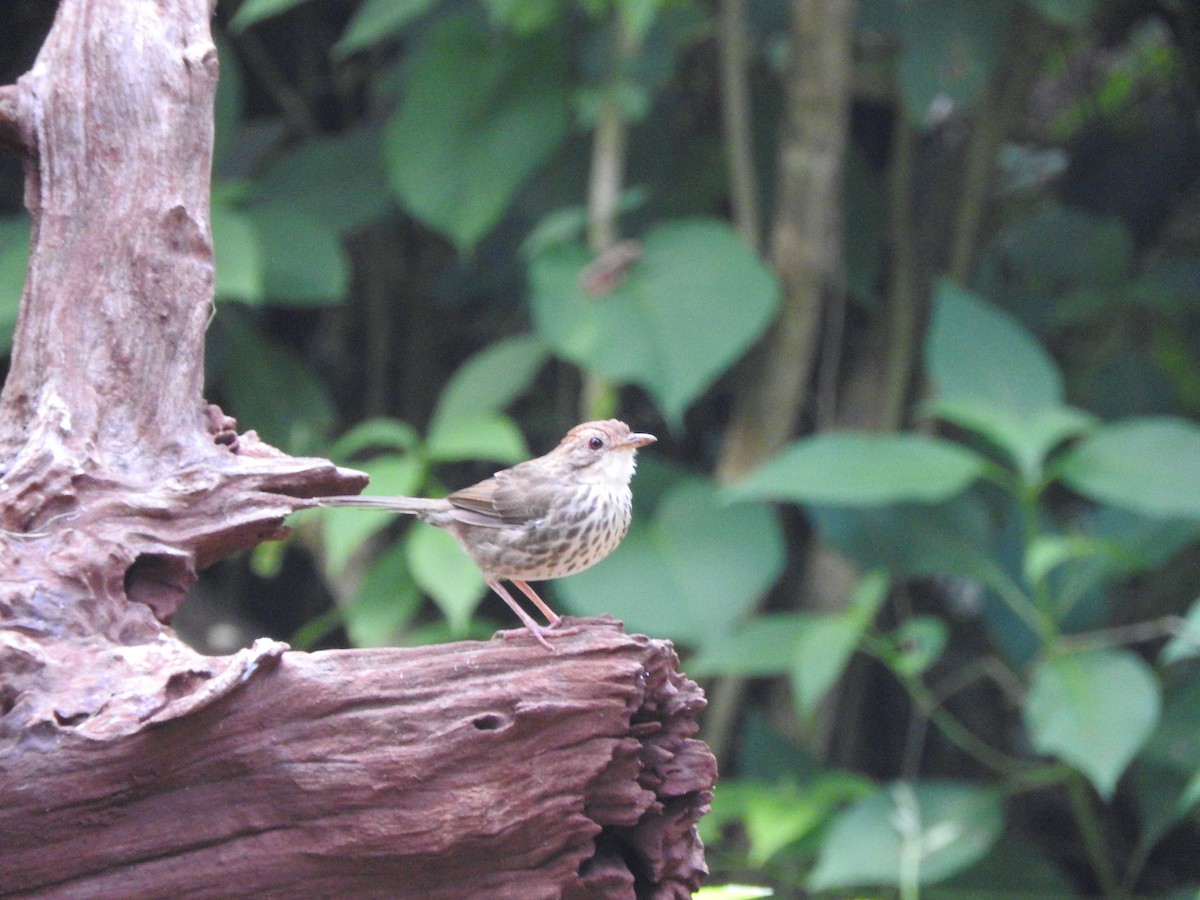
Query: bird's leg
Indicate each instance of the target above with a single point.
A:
(526, 619)
(551, 616)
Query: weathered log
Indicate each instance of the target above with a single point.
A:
(463, 770)
(129, 764)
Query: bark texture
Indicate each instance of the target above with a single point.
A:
(129, 764)
(466, 770)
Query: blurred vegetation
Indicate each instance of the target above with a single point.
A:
(934, 553)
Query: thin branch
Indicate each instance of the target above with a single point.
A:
(736, 116)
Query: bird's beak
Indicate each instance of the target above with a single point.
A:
(636, 440)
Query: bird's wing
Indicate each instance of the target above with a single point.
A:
(498, 501)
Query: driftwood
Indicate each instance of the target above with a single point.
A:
(131, 765)
(465, 770)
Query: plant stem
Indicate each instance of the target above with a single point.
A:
(736, 118)
(1093, 840)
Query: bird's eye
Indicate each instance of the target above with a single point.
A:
(595, 443)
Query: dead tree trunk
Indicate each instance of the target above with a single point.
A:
(131, 765)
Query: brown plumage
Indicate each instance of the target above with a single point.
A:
(544, 518)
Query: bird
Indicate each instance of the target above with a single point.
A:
(544, 518)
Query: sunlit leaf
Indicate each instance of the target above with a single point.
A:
(858, 469)
(1093, 710)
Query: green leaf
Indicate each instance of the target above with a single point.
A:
(472, 436)
(688, 309)
(1072, 13)
(1186, 643)
(1027, 439)
(270, 388)
(920, 642)
(955, 537)
(1147, 465)
(380, 433)
(828, 641)
(690, 573)
(337, 180)
(977, 354)
(253, 11)
(492, 379)
(1093, 710)
(377, 21)
(14, 260)
(858, 469)
(479, 116)
(780, 813)
(949, 50)
(445, 572)
(345, 529)
(303, 260)
(386, 601)
(732, 892)
(764, 646)
(1165, 778)
(238, 257)
(908, 834)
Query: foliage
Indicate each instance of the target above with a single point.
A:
(407, 214)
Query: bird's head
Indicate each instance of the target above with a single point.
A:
(603, 452)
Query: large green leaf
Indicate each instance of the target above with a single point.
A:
(270, 388)
(385, 602)
(764, 646)
(256, 10)
(978, 354)
(688, 309)
(346, 528)
(955, 537)
(479, 115)
(14, 259)
(337, 180)
(377, 21)
(1165, 778)
(481, 435)
(1149, 465)
(237, 255)
(492, 379)
(775, 814)
(690, 573)
(908, 834)
(1094, 710)
(949, 50)
(858, 469)
(444, 571)
(303, 261)
(828, 641)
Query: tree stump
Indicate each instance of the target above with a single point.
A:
(132, 766)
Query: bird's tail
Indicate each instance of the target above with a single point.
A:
(411, 505)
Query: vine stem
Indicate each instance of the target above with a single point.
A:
(1093, 840)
